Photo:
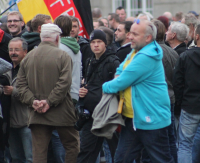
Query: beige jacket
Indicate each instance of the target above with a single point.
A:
(45, 73)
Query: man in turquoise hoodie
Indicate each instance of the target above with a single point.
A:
(140, 79)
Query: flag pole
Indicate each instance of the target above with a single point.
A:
(7, 9)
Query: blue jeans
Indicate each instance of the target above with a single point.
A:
(196, 147)
(187, 128)
(172, 136)
(156, 143)
(58, 149)
(20, 141)
(107, 152)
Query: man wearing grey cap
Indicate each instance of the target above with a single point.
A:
(44, 81)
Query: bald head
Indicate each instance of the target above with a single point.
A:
(168, 15)
(142, 33)
(130, 19)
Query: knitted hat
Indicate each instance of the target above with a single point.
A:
(98, 34)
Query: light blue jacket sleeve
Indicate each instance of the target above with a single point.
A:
(138, 70)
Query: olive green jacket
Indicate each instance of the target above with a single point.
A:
(46, 74)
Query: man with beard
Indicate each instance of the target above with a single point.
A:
(15, 23)
(186, 88)
(122, 37)
(143, 91)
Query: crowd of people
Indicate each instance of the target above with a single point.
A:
(129, 93)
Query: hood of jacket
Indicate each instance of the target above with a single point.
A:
(152, 50)
(194, 55)
(71, 43)
(31, 37)
(82, 40)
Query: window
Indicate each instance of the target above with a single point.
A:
(134, 7)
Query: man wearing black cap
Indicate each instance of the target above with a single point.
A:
(100, 68)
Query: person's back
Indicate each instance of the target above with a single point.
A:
(44, 82)
(72, 48)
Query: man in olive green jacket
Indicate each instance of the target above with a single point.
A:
(44, 81)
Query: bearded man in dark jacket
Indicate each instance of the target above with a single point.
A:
(99, 68)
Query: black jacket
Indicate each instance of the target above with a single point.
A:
(187, 81)
(97, 73)
(123, 51)
(4, 40)
(32, 38)
(85, 51)
(181, 48)
(169, 61)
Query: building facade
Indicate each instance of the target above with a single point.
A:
(155, 7)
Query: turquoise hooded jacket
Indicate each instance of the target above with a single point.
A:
(145, 75)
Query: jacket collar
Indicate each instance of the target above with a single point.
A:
(47, 43)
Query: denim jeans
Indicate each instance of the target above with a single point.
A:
(156, 143)
(187, 128)
(107, 152)
(20, 142)
(196, 147)
(172, 136)
(57, 147)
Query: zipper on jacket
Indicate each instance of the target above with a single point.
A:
(134, 127)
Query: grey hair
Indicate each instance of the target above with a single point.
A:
(49, 35)
(180, 29)
(190, 19)
(144, 14)
(24, 43)
(151, 30)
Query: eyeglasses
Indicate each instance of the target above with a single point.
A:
(14, 21)
(16, 50)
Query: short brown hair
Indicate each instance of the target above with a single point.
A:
(114, 16)
(74, 19)
(160, 30)
(16, 13)
(64, 23)
(39, 20)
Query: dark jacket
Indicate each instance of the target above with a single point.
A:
(187, 81)
(4, 40)
(123, 51)
(169, 60)
(180, 48)
(98, 72)
(85, 51)
(32, 38)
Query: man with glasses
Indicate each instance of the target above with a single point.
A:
(140, 80)
(15, 24)
(20, 140)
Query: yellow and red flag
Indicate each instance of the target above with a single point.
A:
(54, 8)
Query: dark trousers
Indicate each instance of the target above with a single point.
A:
(91, 144)
(41, 136)
(172, 140)
(155, 142)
